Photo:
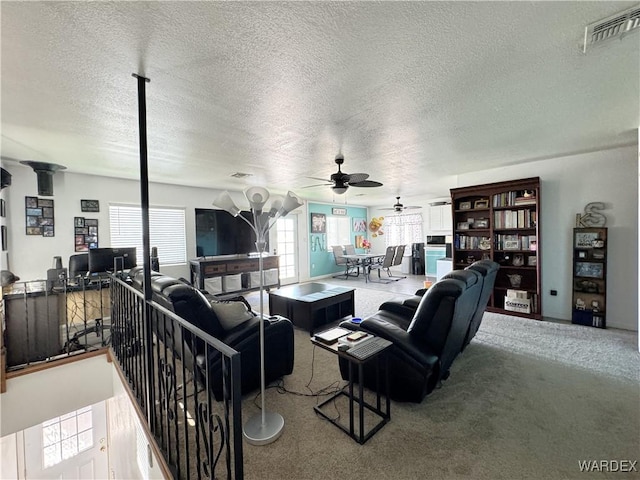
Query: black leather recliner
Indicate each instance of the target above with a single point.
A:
(425, 346)
(487, 268)
(193, 306)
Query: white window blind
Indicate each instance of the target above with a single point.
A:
(403, 229)
(167, 231)
(338, 231)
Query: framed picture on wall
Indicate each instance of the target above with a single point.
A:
(318, 223)
(39, 216)
(90, 205)
(359, 224)
(86, 236)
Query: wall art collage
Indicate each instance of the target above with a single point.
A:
(85, 233)
(39, 217)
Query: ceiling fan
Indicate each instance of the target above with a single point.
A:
(399, 208)
(341, 181)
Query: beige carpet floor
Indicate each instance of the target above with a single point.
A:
(526, 400)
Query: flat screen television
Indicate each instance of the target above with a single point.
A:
(220, 233)
(103, 260)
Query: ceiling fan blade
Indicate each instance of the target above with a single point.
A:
(387, 208)
(318, 178)
(366, 183)
(318, 185)
(353, 178)
(411, 207)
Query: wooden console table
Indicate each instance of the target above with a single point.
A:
(221, 266)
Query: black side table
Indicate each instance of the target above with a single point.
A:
(385, 415)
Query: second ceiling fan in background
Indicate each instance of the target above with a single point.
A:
(399, 208)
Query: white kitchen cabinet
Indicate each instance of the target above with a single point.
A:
(440, 219)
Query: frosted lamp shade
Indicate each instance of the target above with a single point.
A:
(291, 202)
(276, 205)
(257, 197)
(339, 190)
(225, 202)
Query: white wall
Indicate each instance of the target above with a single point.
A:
(31, 399)
(31, 256)
(567, 185)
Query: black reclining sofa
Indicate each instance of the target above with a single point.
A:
(425, 344)
(196, 308)
(488, 269)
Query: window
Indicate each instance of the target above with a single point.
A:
(167, 231)
(65, 436)
(338, 231)
(403, 229)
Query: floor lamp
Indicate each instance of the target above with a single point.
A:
(265, 427)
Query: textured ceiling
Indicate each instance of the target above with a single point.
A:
(410, 92)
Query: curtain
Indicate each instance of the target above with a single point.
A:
(403, 229)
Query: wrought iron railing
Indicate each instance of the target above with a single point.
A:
(170, 366)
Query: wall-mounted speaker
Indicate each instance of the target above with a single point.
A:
(5, 181)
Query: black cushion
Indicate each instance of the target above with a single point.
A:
(191, 304)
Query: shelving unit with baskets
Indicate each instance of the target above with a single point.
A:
(589, 277)
(500, 221)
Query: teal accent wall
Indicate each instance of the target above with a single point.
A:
(321, 261)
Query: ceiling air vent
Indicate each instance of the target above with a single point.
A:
(615, 26)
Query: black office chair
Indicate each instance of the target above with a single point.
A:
(78, 267)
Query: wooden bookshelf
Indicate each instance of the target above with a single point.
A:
(500, 221)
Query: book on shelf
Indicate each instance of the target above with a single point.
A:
(511, 293)
(515, 218)
(513, 198)
(524, 201)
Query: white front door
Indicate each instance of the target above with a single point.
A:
(287, 248)
(72, 446)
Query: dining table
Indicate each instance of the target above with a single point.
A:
(364, 260)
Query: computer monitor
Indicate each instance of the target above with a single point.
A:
(103, 260)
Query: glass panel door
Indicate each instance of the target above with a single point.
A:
(287, 249)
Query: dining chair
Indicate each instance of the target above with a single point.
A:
(387, 261)
(351, 269)
(397, 260)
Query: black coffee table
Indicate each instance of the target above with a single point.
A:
(310, 305)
